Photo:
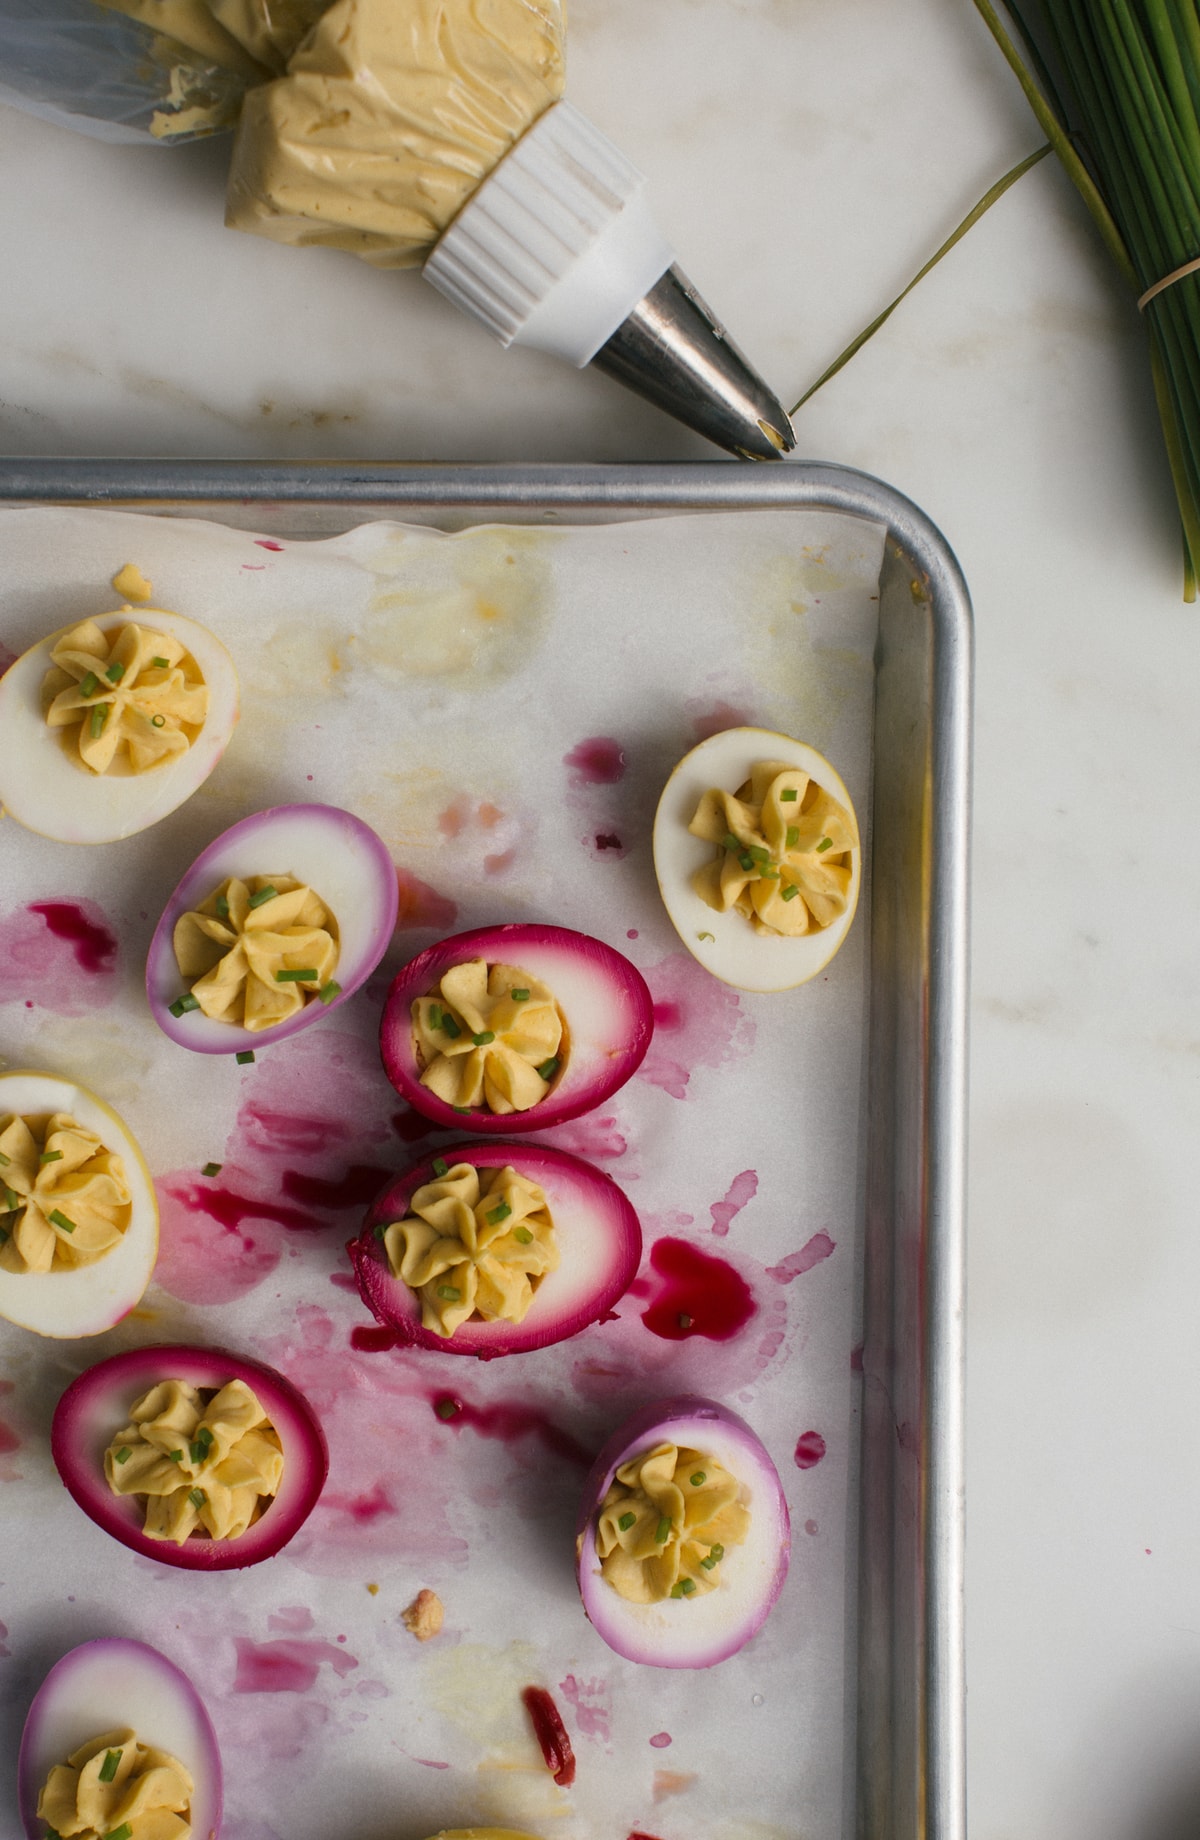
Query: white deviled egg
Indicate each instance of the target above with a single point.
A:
(758, 858)
(109, 724)
(78, 1212)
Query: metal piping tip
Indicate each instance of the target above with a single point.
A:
(674, 351)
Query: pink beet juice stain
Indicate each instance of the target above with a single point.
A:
(508, 1422)
(268, 543)
(421, 905)
(44, 949)
(741, 1190)
(598, 761)
(285, 1667)
(95, 948)
(810, 1448)
(697, 1294)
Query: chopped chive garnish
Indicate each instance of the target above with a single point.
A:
(52, 1833)
(197, 1452)
(329, 991)
(708, 1563)
(716, 1552)
(698, 1479)
(124, 1454)
(440, 1166)
(450, 1027)
(793, 836)
(4, 1160)
(182, 1005)
(222, 907)
(97, 719)
(162, 664)
(245, 1057)
(204, 1436)
(499, 1213)
(447, 1408)
(686, 1586)
(789, 793)
(484, 1037)
(158, 721)
(626, 1522)
(306, 975)
(711, 936)
(212, 1169)
(677, 1590)
(663, 1530)
(110, 1766)
(790, 892)
(124, 1832)
(435, 1015)
(89, 685)
(176, 1456)
(60, 1220)
(197, 1497)
(548, 1069)
(464, 1109)
(11, 1198)
(381, 1228)
(50, 1156)
(745, 860)
(826, 843)
(519, 996)
(685, 1321)
(264, 894)
(5, 1235)
(449, 1292)
(731, 842)
(523, 1236)
(756, 851)
(769, 875)
(115, 671)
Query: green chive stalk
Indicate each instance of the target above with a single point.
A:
(1115, 85)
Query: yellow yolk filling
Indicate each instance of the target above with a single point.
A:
(665, 1523)
(64, 1199)
(137, 699)
(477, 1242)
(256, 951)
(784, 851)
(204, 1463)
(489, 1036)
(115, 1784)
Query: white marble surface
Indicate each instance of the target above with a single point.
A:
(806, 158)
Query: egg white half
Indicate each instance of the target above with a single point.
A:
(48, 792)
(727, 944)
(93, 1297)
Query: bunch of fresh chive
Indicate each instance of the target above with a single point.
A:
(1115, 85)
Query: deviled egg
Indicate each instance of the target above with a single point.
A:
(201, 1428)
(519, 1027)
(78, 1212)
(758, 858)
(491, 1249)
(683, 1535)
(108, 725)
(280, 919)
(131, 1714)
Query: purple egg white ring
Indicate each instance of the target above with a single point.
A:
(96, 1406)
(599, 1239)
(331, 851)
(701, 1631)
(603, 999)
(110, 1683)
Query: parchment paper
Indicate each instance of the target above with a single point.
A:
(441, 687)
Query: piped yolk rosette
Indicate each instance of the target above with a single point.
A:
(475, 1242)
(208, 1466)
(665, 1523)
(256, 951)
(65, 1200)
(115, 1785)
(783, 851)
(490, 1035)
(127, 702)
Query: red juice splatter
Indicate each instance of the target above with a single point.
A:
(355, 1187)
(45, 947)
(607, 840)
(268, 543)
(598, 761)
(343, 1281)
(598, 1140)
(94, 946)
(294, 1619)
(410, 1127)
(797, 1263)
(200, 1259)
(590, 1700)
(451, 821)
(856, 1358)
(373, 1341)
(810, 1527)
(362, 1509)
(697, 1294)
(9, 1441)
(498, 864)
(431, 1763)
(632, 933)
(810, 1448)
(551, 1735)
(697, 1023)
(742, 1189)
(637, 1833)
(660, 1740)
(508, 1422)
(285, 1667)
(711, 719)
(421, 905)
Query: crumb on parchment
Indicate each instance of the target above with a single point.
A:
(423, 1618)
(131, 584)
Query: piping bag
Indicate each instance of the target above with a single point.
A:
(427, 133)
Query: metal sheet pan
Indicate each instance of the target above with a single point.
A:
(908, 1769)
